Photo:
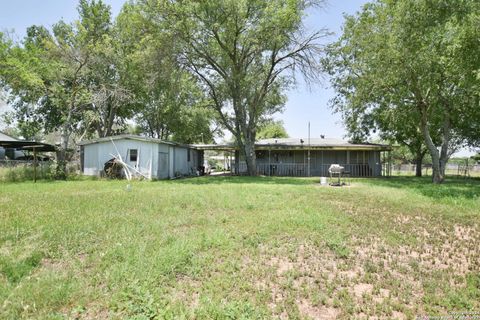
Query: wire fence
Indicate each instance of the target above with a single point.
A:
(23, 170)
(453, 169)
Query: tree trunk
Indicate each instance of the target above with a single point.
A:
(250, 158)
(61, 169)
(418, 163)
(419, 155)
(437, 176)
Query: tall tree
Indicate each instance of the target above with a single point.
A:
(171, 104)
(47, 74)
(112, 101)
(242, 51)
(20, 80)
(408, 68)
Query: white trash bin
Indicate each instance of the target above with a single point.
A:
(323, 181)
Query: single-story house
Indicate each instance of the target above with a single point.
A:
(304, 157)
(152, 158)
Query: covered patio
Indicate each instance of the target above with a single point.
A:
(303, 158)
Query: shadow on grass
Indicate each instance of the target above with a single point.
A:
(452, 187)
(246, 180)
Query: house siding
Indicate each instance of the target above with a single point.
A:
(95, 155)
(295, 162)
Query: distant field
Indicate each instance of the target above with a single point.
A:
(239, 248)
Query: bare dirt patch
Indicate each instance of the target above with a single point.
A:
(377, 279)
(322, 313)
(361, 289)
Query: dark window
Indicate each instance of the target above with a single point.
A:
(188, 154)
(133, 155)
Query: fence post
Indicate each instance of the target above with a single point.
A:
(34, 165)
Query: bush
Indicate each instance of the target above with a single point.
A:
(25, 172)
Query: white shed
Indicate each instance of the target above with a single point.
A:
(154, 158)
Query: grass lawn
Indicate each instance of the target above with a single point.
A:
(239, 248)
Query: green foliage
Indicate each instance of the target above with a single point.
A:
(86, 78)
(401, 68)
(272, 129)
(15, 271)
(45, 171)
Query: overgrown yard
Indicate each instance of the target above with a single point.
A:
(231, 248)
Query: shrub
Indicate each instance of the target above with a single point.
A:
(25, 172)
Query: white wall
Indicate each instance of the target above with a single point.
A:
(96, 154)
(181, 163)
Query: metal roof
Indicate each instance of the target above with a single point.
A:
(297, 143)
(27, 145)
(280, 143)
(129, 137)
(4, 137)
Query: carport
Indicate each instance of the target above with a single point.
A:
(33, 146)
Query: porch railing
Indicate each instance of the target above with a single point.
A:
(301, 170)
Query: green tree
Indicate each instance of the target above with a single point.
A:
(21, 82)
(476, 157)
(272, 129)
(241, 51)
(408, 69)
(47, 75)
(112, 101)
(171, 104)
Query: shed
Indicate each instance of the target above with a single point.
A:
(153, 158)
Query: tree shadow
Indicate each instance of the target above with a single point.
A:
(453, 187)
(246, 180)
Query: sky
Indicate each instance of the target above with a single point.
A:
(304, 104)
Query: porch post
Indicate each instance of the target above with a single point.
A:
(308, 153)
(34, 165)
(308, 161)
(269, 162)
(389, 163)
(322, 165)
(237, 162)
(304, 164)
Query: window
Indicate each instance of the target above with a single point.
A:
(133, 155)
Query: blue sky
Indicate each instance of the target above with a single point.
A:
(303, 104)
